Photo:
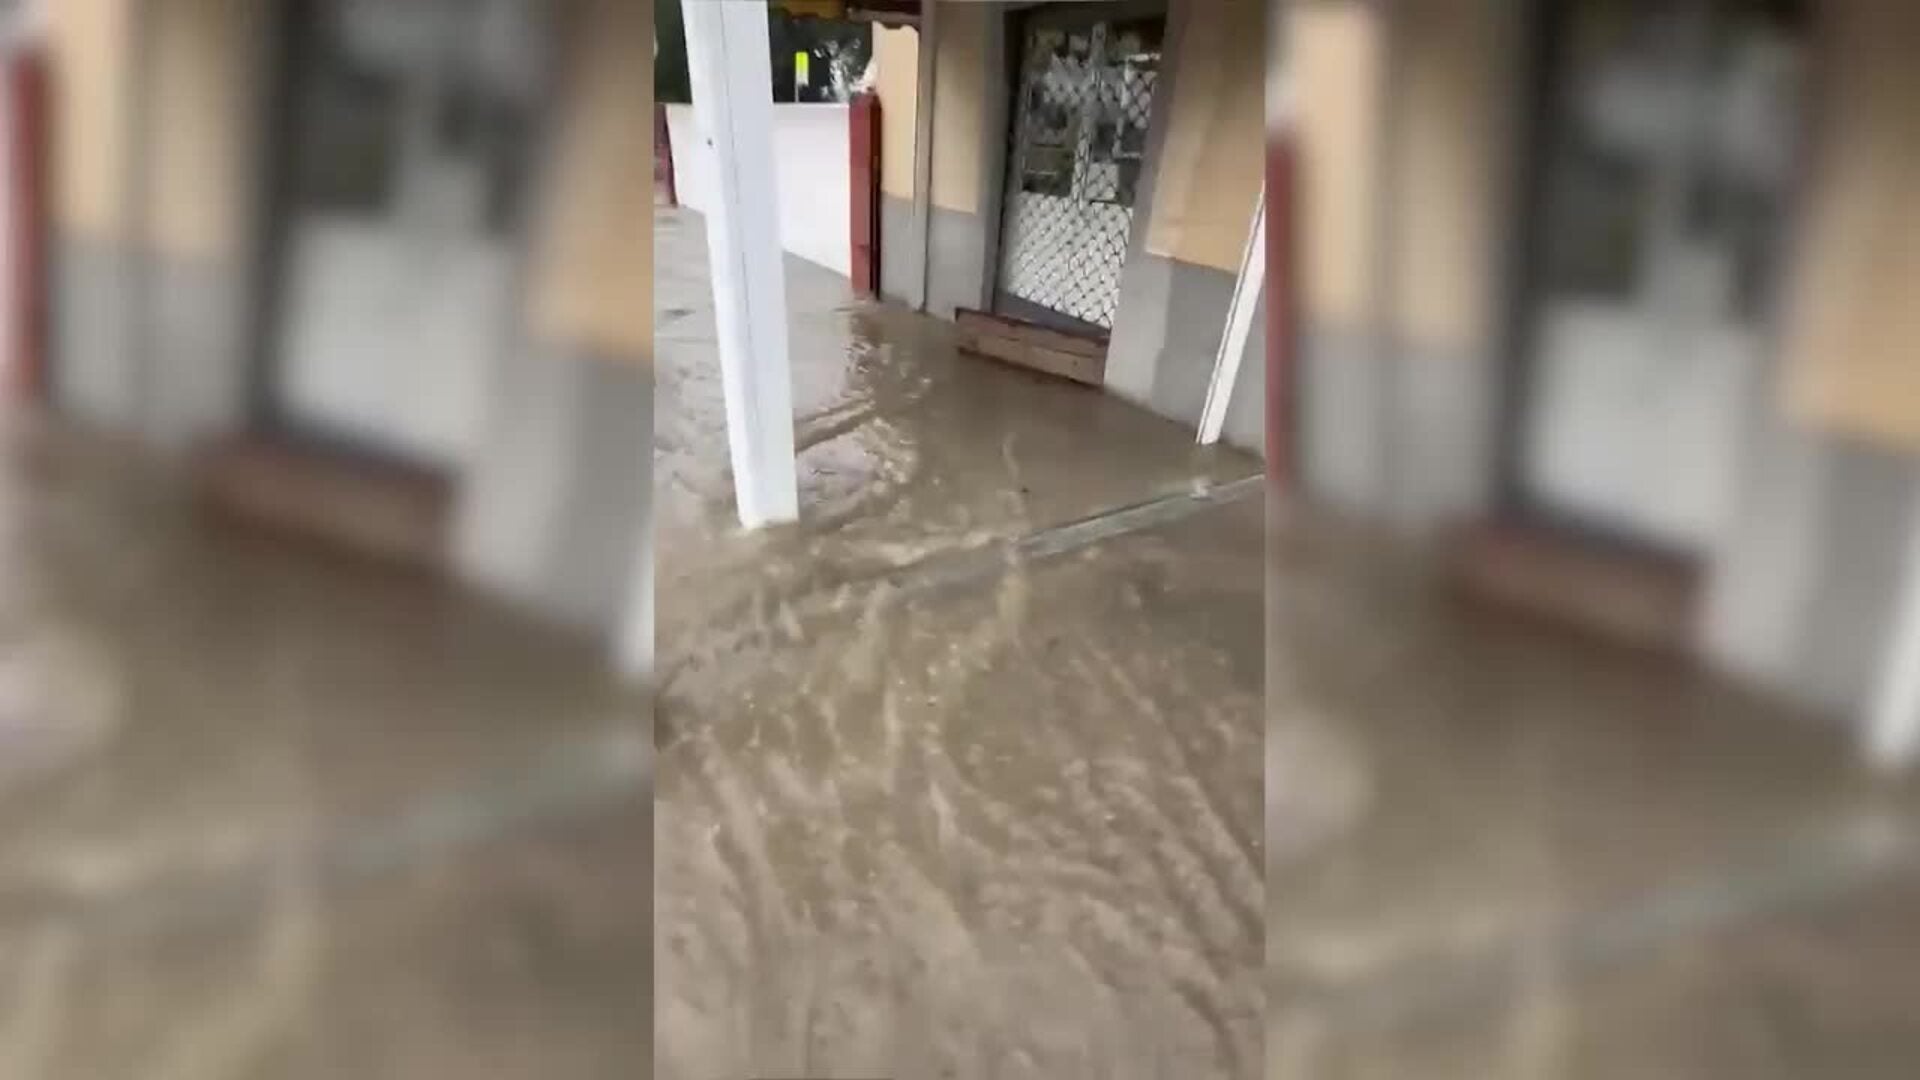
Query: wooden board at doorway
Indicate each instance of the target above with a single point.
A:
(1030, 345)
(1634, 598)
(393, 513)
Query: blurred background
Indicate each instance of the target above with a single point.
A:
(316, 753)
(1595, 580)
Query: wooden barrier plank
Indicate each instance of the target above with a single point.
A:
(1036, 348)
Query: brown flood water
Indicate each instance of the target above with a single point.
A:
(1500, 850)
(947, 785)
(267, 812)
(959, 777)
(934, 800)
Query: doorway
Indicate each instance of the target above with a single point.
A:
(402, 142)
(1082, 101)
(1664, 161)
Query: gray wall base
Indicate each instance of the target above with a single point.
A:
(196, 327)
(899, 251)
(1341, 445)
(92, 362)
(1196, 314)
(1165, 341)
(1802, 590)
(957, 274)
(552, 506)
(1396, 431)
(148, 346)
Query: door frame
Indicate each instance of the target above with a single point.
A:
(1001, 119)
(283, 50)
(286, 48)
(288, 51)
(1542, 41)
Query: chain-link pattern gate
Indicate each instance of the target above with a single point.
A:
(1080, 138)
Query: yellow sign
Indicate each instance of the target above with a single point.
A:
(800, 69)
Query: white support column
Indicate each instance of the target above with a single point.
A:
(1893, 725)
(1233, 339)
(728, 61)
(928, 54)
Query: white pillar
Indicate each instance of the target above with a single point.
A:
(730, 68)
(1893, 724)
(928, 52)
(1239, 327)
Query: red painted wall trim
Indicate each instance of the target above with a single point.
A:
(1282, 336)
(663, 156)
(26, 74)
(863, 192)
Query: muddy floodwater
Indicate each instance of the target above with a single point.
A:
(1500, 849)
(959, 776)
(270, 812)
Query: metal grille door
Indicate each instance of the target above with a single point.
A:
(1080, 137)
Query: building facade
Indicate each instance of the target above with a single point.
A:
(411, 235)
(1627, 275)
(1095, 167)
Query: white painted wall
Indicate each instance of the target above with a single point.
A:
(1638, 424)
(389, 338)
(810, 156)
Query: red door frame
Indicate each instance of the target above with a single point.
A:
(1282, 346)
(863, 192)
(26, 73)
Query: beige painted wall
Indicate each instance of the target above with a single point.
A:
(960, 78)
(1451, 148)
(200, 88)
(896, 56)
(197, 94)
(1212, 161)
(1336, 51)
(89, 42)
(593, 283)
(1852, 343)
